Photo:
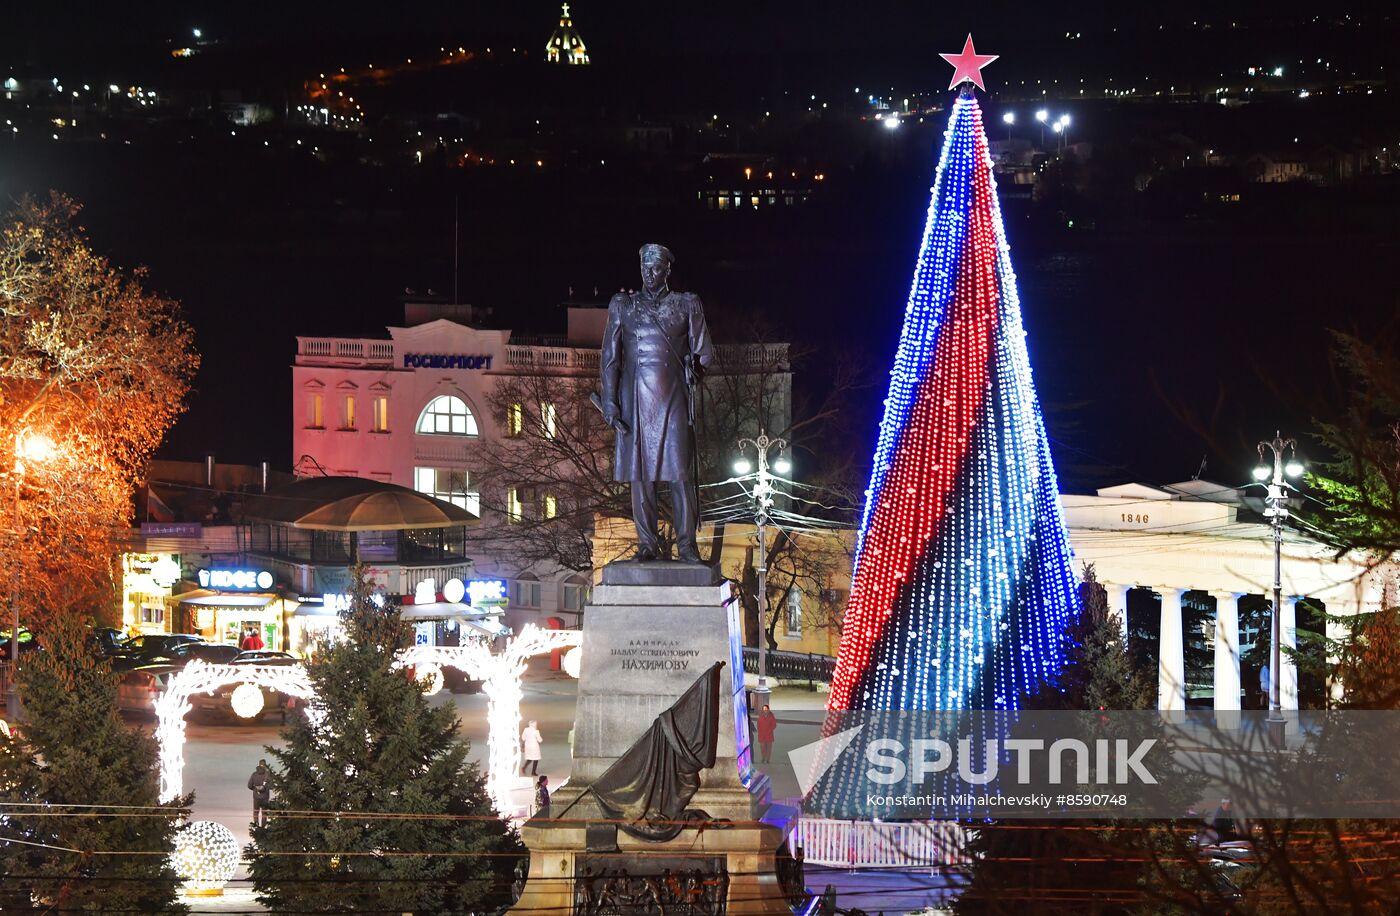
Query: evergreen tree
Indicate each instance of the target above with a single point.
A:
(403, 821)
(75, 750)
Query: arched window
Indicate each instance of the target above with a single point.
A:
(447, 415)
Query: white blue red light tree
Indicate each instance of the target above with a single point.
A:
(962, 584)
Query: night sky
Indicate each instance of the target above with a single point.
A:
(1130, 326)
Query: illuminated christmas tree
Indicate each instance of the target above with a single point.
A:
(962, 583)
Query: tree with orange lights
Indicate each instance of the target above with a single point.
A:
(94, 369)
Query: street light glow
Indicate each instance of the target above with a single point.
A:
(1261, 473)
(1064, 119)
(1041, 115)
(1059, 127)
(1293, 468)
(35, 447)
(1009, 117)
(742, 466)
(891, 123)
(782, 465)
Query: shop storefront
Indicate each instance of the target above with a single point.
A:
(462, 610)
(147, 579)
(231, 603)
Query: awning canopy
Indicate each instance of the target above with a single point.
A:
(354, 504)
(231, 601)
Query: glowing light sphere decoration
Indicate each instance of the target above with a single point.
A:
(962, 583)
(206, 856)
(572, 662)
(247, 701)
(431, 677)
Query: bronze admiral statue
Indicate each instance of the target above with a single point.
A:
(655, 349)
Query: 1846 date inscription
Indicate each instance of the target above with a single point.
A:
(654, 655)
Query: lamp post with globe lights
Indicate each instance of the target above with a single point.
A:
(762, 497)
(1008, 118)
(1274, 479)
(31, 448)
(1042, 115)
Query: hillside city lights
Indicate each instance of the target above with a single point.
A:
(962, 581)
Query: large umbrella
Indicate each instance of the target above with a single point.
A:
(355, 504)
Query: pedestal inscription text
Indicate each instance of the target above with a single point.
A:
(654, 655)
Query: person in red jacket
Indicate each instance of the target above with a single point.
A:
(252, 641)
(767, 722)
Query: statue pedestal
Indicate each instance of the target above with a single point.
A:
(644, 644)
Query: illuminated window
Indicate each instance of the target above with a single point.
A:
(381, 415)
(549, 420)
(447, 415)
(313, 411)
(451, 485)
(514, 508)
(347, 415)
(551, 506)
(792, 620)
(515, 420)
(152, 613)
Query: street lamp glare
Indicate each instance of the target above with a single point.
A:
(1293, 468)
(1064, 119)
(1059, 127)
(36, 447)
(1009, 117)
(1262, 472)
(1041, 115)
(742, 466)
(891, 123)
(782, 465)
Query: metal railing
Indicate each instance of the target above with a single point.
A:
(865, 844)
(793, 666)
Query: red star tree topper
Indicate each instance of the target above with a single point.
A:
(967, 66)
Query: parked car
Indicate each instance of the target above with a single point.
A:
(108, 641)
(218, 706)
(140, 688)
(215, 653)
(28, 642)
(156, 644)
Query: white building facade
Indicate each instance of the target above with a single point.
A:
(1201, 538)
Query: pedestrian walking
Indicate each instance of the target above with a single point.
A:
(260, 783)
(531, 739)
(1222, 823)
(542, 797)
(767, 724)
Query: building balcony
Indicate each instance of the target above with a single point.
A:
(340, 351)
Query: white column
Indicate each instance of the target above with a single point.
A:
(1171, 655)
(1288, 669)
(1227, 651)
(1118, 606)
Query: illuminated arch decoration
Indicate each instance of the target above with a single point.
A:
(201, 677)
(500, 676)
(962, 583)
(446, 415)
